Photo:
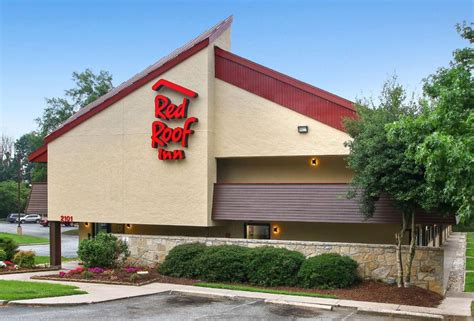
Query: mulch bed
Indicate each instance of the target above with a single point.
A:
(380, 292)
(120, 278)
(35, 269)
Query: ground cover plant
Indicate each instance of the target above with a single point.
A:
(21, 290)
(25, 239)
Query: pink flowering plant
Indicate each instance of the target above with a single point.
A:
(96, 270)
(132, 269)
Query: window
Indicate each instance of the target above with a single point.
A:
(257, 231)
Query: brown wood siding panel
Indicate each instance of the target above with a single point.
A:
(301, 203)
(38, 199)
(266, 83)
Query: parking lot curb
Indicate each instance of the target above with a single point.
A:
(401, 313)
(301, 304)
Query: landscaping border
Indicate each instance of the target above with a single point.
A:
(51, 268)
(56, 278)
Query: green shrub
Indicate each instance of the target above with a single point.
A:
(270, 266)
(102, 251)
(25, 259)
(9, 246)
(328, 271)
(224, 263)
(180, 260)
(3, 255)
(87, 274)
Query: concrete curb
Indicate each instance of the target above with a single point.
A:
(402, 313)
(300, 304)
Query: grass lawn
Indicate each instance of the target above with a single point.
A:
(469, 264)
(45, 259)
(470, 252)
(469, 282)
(261, 290)
(25, 239)
(71, 232)
(22, 290)
(470, 237)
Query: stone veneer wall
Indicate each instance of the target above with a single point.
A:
(376, 261)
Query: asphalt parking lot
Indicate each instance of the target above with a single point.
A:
(168, 306)
(69, 243)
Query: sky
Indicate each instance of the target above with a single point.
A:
(346, 47)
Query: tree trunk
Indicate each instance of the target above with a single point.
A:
(399, 238)
(412, 250)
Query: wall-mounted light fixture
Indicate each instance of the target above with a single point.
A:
(276, 229)
(86, 224)
(303, 129)
(314, 162)
(128, 226)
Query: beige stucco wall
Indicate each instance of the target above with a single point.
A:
(104, 170)
(331, 169)
(249, 125)
(325, 232)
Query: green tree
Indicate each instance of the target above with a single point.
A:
(89, 87)
(440, 140)
(380, 166)
(9, 197)
(24, 146)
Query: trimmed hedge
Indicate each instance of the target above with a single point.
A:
(270, 266)
(180, 260)
(261, 266)
(224, 263)
(328, 270)
(102, 251)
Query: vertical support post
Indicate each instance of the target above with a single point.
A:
(55, 243)
(441, 234)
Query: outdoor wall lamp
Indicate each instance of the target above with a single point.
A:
(128, 226)
(86, 224)
(276, 229)
(303, 129)
(314, 162)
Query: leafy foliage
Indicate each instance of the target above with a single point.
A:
(328, 270)
(102, 251)
(225, 263)
(9, 246)
(89, 87)
(9, 197)
(381, 166)
(440, 140)
(3, 255)
(24, 146)
(25, 259)
(270, 266)
(180, 261)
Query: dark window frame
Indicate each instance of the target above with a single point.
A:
(268, 225)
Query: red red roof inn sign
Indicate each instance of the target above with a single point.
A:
(161, 133)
